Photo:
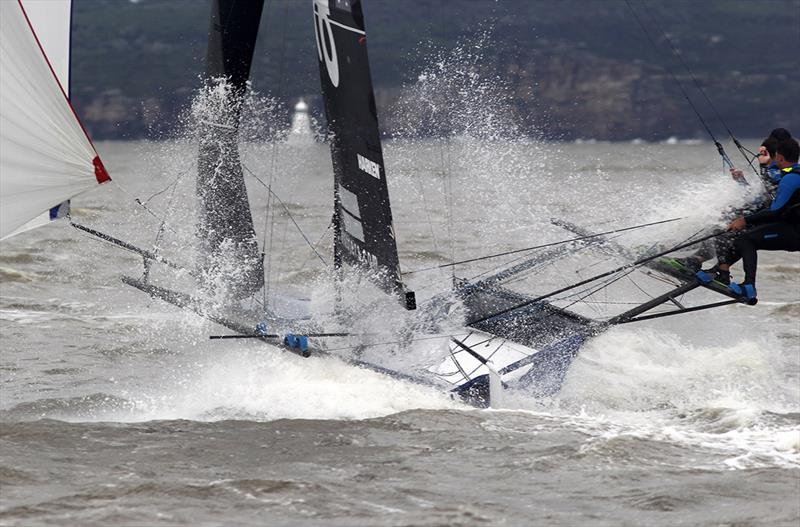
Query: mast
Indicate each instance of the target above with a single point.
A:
(230, 259)
(364, 235)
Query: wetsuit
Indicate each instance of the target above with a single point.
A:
(776, 228)
(770, 177)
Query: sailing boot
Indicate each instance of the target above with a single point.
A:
(745, 290)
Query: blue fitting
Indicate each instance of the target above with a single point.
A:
(704, 277)
(262, 328)
(299, 342)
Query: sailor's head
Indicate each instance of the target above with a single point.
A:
(766, 152)
(786, 153)
(780, 134)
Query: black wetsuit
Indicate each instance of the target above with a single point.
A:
(776, 228)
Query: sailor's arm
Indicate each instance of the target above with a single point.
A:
(789, 185)
(738, 176)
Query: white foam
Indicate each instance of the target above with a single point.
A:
(261, 382)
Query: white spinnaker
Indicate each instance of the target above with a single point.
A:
(45, 155)
(52, 22)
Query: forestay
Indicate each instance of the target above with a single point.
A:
(46, 157)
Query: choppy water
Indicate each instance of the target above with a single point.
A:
(116, 409)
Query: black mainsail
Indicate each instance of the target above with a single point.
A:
(364, 236)
(230, 256)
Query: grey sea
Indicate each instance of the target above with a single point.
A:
(116, 409)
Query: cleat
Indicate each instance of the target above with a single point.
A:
(747, 291)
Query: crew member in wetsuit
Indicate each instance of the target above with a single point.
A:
(776, 228)
(770, 173)
(770, 176)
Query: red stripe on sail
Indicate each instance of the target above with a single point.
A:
(100, 170)
(101, 174)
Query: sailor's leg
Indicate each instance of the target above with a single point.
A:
(706, 251)
(770, 237)
(727, 253)
(746, 247)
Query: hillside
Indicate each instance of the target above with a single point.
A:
(574, 68)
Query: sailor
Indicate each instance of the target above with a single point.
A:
(775, 228)
(769, 171)
(770, 177)
(781, 134)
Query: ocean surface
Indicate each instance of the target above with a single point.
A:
(116, 409)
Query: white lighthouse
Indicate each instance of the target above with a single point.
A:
(301, 131)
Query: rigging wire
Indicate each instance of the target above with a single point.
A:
(144, 206)
(447, 189)
(174, 182)
(720, 149)
(417, 176)
(314, 248)
(747, 154)
(551, 244)
(525, 274)
(604, 285)
(487, 358)
(635, 264)
(161, 228)
(288, 213)
(269, 216)
(404, 341)
(446, 147)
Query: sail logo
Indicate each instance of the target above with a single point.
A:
(326, 47)
(370, 167)
(358, 253)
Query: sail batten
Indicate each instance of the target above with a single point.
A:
(46, 155)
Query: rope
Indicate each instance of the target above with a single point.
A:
(720, 149)
(678, 54)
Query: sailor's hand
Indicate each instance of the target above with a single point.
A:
(737, 174)
(737, 225)
(763, 155)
